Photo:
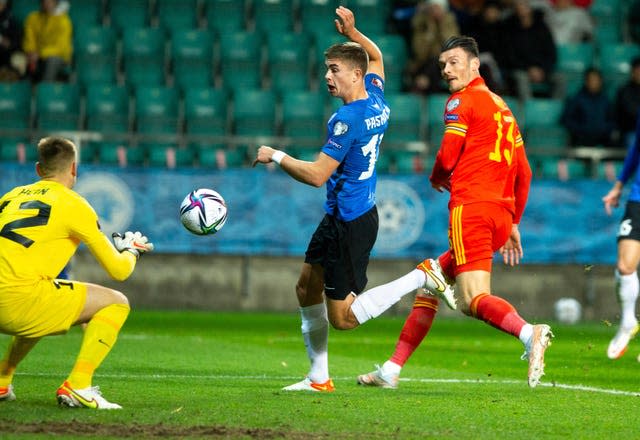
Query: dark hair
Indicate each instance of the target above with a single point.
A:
(468, 44)
(54, 154)
(350, 52)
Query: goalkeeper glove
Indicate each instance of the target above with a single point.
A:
(134, 242)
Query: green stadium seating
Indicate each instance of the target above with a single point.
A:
(15, 105)
(143, 55)
(57, 106)
(95, 55)
(408, 119)
(107, 108)
(205, 112)
(22, 8)
(273, 16)
(303, 118)
(573, 60)
(221, 157)
(543, 132)
(240, 60)
(177, 15)
(119, 153)
(156, 110)
(563, 169)
(254, 113)
(224, 16)
(316, 16)
(127, 14)
(85, 13)
(192, 58)
(615, 62)
(288, 60)
(395, 56)
(17, 150)
(371, 15)
(406, 162)
(171, 157)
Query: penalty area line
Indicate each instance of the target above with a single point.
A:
(570, 387)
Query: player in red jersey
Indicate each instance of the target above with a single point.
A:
(482, 162)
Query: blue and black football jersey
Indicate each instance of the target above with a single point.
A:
(354, 135)
(630, 167)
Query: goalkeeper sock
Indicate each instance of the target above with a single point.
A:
(18, 348)
(315, 332)
(99, 337)
(415, 328)
(375, 301)
(627, 287)
(498, 313)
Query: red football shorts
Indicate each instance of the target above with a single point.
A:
(476, 231)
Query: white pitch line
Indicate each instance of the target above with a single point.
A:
(404, 379)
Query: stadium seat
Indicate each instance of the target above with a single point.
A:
(573, 60)
(288, 60)
(224, 16)
(221, 157)
(107, 108)
(177, 15)
(254, 113)
(17, 150)
(15, 105)
(22, 8)
(118, 153)
(127, 14)
(394, 52)
(606, 12)
(371, 15)
(316, 16)
(240, 59)
(192, 58)
(303, 118)
(435, 119)
(273, 16)
(542, 132)
(57, 106)
(170, 157)
(95, 55)
(563, 169)
(408, 120)
(85, 13)
(87, 152)
(615, 62)
(205, 112)
(143, 55)
(383, 164)
(156, 110)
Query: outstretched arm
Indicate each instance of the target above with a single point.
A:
(346, 25)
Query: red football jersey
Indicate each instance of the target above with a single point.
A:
(482, 155)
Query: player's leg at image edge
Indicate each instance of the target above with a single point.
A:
(627, 287)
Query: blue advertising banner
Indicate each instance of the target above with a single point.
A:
(271, 214)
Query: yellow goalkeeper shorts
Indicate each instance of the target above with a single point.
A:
(49, 307)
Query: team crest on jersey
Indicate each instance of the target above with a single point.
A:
(453, 104)
(376, 82)
(340, 128)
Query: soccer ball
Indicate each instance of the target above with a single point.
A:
(203, 212)
(568, 310)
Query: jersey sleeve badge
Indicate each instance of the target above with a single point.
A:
(340, 128)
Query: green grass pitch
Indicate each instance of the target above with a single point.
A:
(219, 375)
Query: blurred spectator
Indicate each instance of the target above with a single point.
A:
(530, 54)
(569, 23)
(487, 29)
(588, 115)
(12, 60)
(627, 103)
(48, 41)
(432, 25)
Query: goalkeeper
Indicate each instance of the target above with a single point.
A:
(41, 226)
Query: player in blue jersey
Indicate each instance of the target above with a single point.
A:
(627, 285)
(338, 254)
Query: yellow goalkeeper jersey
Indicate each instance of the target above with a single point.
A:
(41, 226)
